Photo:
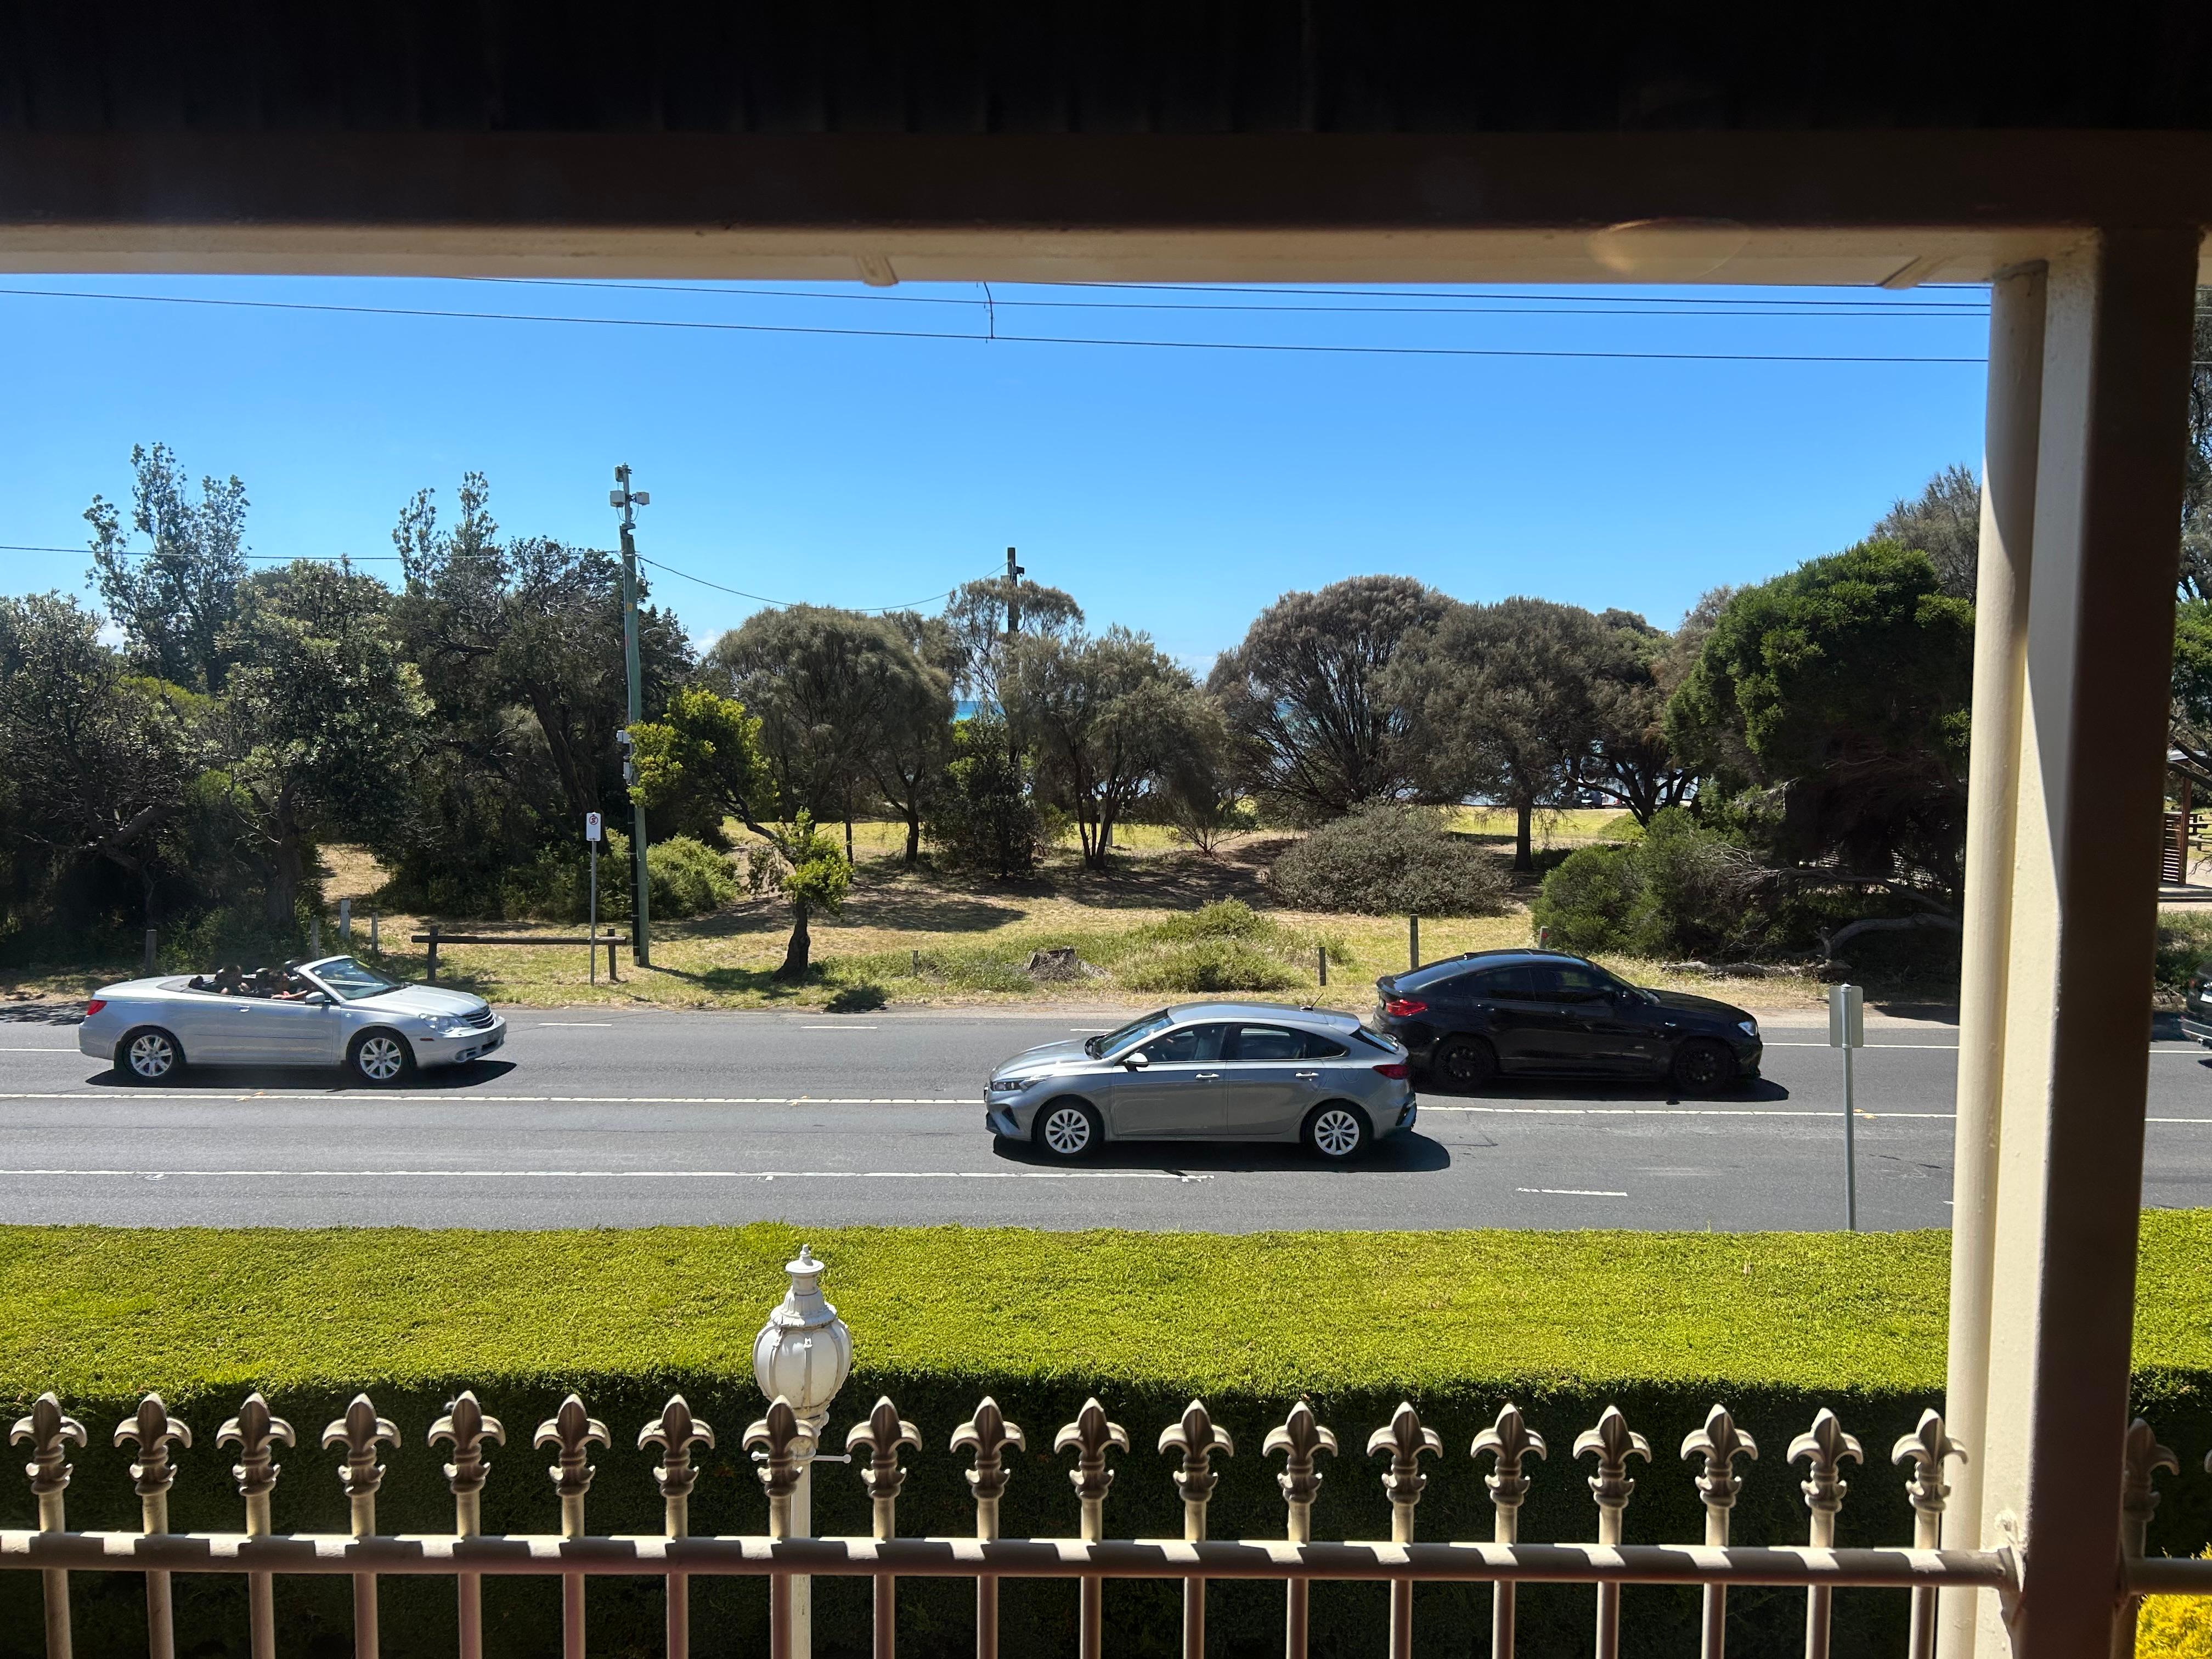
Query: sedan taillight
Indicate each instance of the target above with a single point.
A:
(1404, 1007)
(1397, 1069)
(95, 1007)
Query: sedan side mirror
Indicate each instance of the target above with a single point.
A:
(1138, 1061)
(318, 999)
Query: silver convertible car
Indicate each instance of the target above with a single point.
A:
(349, 1015)
(1209, 1071)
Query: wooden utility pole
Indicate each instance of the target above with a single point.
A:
(627, 501)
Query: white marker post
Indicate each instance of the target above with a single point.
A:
(1847, 1031)
(592, 837)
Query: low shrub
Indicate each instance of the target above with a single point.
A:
(1682, 890)
(2184, 947)
(1210, 965)
(1562, 1324)
(1384, 859)
(2174, 1626)
(688, 878)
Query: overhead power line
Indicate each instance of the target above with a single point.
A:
(1313, 348)
(867, 610)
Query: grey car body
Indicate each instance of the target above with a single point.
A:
(1209, 1071)
(353, 1017)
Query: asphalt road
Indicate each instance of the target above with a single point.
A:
(589, 1119)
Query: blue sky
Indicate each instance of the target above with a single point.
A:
(1174, 491)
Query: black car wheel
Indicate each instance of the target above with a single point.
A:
(1701, 1064)
(149, 1055)
(1466, 1063)
(1068, 1129)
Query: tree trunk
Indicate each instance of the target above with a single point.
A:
(797, 954)
(913, 836)
(286, 868)
(1522, 857)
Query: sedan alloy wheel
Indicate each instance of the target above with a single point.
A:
(1067, 1128)
(1336, 1133)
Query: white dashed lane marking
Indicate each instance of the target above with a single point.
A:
(1569, 1192)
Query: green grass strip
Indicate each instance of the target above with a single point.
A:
(105, 1312)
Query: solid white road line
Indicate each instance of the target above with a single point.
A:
(1569, 1192)
(571, 1024)
(840, 1027)
(637, 1175)
(450, 1096)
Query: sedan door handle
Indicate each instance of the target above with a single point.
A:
(1206, 1077)
(1307, 1076)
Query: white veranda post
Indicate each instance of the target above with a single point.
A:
(2072, 651)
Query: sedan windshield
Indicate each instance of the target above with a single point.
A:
(1135, 1031)
(350, 980)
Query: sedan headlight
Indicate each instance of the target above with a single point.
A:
(1010, 1085)
(1748, 1027)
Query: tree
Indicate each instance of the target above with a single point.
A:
(909, 748)
(98, 761)
(1832, 703)
(1945, 522)
(1303, 695)
(1631, 761)
(1109, 716)
(173, 601)
(828, 687)
(520, 646)
(709, 747)
(320, 718)
(2196, 487)
(1500, 700)
(982, 816)
(978, 624)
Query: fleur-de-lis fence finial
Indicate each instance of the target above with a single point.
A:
(466, 1428)
(782, 1444)
(987, 1434)
(1824, 1447)
(257, 1434)
(1405, 1440)
(153, 1431)
(2145, 1457)
(571, 1432)
(50, 1432)
(884, 1433)
(676, 1431)
(1614, 1443)
(1924, 1452)
(1198, 1438)
(1302, 1440)
(361, 1430)
(1510, 1441)
(1719, 1443)
(1091, 1436)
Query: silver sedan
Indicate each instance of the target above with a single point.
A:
(349, 1015)
(1209, 1071)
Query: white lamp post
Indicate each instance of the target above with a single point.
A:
(804, 1353)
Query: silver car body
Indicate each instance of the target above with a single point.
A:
(1179, 1092)
(440, 1027)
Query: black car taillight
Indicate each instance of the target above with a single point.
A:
(1404, 1007)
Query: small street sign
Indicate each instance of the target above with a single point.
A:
(591, 826)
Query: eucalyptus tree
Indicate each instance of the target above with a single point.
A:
(982, 616)
(1303, 696)
(1109, 717)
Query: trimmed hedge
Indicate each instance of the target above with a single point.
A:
(1773, 1325)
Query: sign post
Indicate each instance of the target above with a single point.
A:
(1847, 1031)
(592, 837)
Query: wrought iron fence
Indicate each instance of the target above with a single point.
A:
(785, 1448)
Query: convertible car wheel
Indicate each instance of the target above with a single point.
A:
(148, 1056)
(1337, 1132)
(381, 1057)
(1068, 1129)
